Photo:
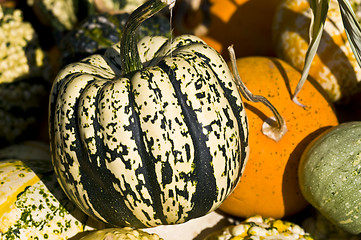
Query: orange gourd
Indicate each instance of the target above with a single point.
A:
(245, 23)
(334, 67)
(269, 185)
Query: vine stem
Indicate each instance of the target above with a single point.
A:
(273, 127)
(130, 60)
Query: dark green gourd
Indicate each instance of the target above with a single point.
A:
(100, 31)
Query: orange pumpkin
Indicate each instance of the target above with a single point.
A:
(269, 185)
(334, 66)
(247, 24)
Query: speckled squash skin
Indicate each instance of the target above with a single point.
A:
(329, 175)
(334, 66)
(32, 204)
(269, 186)
(163, 146)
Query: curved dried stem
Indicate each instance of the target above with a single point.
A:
(274, 127)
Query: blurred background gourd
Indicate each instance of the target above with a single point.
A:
(334, 66)
(247, 24)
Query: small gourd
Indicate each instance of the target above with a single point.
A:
(149, 133)
(125, 233)
(330, 175)
(61, 15)
(32, 204)
(65, 15)
(98, 32)
(334, 66)
(24, 85)
(257, 227)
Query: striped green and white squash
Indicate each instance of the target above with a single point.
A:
(154, 135)
(32, 204)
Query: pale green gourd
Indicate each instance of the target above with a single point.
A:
(330, 175)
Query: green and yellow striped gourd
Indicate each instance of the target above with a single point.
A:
(32, 204)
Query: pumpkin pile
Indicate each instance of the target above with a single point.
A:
(120, 117)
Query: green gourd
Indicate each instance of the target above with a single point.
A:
(65, 15)
(330, 175)
(152, 132)
(98, 32)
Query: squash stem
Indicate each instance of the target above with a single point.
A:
(130, 60)
(274, 127)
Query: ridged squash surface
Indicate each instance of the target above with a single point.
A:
(330, 175)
